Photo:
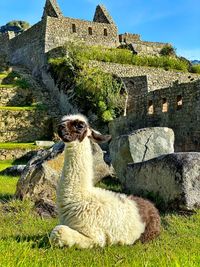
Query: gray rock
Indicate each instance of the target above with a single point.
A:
(14, 170)
(39, 180)
(101, 169)
(139, 146)
(173, 178)
(44, 143)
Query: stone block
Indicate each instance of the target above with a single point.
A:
(44, 143)
(140, 145)
(174, 179)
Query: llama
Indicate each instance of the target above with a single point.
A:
(91, 216)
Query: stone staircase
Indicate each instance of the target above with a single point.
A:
(27, 112)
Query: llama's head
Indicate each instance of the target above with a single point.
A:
(76, 127)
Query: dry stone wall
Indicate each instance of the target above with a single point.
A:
(141, 47)
(24, 125)
(148, 48)
(175, 107)
(157, 78)
(28, 48)
(12, 154)
(68, 29)
(15, 97)
(4, 42)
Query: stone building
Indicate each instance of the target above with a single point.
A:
(54, 30)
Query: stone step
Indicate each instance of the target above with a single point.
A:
(23, 125)
(15, 96)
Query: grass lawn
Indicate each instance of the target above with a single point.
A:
(18, 146)
(24, 240)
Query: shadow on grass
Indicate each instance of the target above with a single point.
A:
(4, 198)
(38, 241)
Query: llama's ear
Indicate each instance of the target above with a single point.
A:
(98, 137)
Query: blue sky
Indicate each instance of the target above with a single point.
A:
(173, 21)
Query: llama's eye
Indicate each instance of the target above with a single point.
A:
(79, 126)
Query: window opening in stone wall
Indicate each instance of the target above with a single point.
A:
(90, 31)
(105, 32)
(150, 107)
(164, 105)
(179, 102)
(73, 27)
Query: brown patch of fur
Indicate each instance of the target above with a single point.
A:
(71, 130)
(150, 216)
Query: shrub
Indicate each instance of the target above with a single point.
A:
(22, 83)
(91, 86)
(168, 50)
(195, 69)
(102, 92)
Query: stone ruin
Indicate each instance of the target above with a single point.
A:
(54, 30)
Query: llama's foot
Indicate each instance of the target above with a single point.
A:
(62, 236)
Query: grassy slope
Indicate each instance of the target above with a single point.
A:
(24, 240)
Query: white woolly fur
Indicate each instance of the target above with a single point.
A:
(91, 216)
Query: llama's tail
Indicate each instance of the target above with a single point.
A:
(150, 216)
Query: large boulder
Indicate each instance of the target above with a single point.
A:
(173, 179)
(139, 146)
(39, 179)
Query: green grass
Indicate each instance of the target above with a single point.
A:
(3, 75)
(195, 69)
(8, 85)
(28, 108)
(5, 164)
(17, 108)
(18, 146)
(125, 56)
(24, 241)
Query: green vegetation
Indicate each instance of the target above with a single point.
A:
(7, 85)
(28, 108)
(168, 50)
(3, 75)
(18, 146)
(103, 93)
(5, 164)
(13, 80)
(19, 23)
(125, 56)
(34, 106)
(24, 240)
(195, 69)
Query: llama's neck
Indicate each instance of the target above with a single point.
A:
(77, 174)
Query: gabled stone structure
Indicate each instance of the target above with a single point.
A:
(54, 30)
(102, 16)
(52, 9)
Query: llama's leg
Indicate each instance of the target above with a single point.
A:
(63, 235)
